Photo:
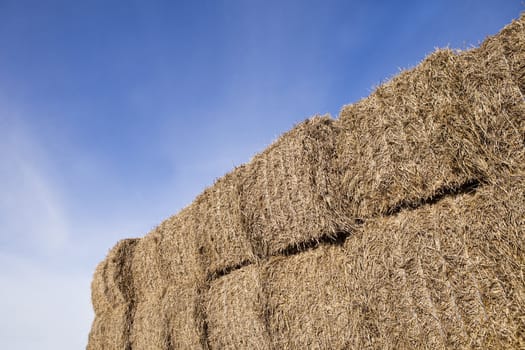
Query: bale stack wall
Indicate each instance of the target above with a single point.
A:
(401, 224)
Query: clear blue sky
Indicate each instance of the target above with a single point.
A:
(115, 114)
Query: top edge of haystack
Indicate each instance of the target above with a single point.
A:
(234, 181)
(517, 24)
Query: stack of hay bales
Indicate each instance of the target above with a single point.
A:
(401, 224)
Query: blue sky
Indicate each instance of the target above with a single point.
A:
(115, 114)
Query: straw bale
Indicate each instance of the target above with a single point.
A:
(349, 297)
(111, 282)
(177, 249)
(110, 329)
(235, 311)
(219, 225)
(167, 321)
(456, 117)
(148, 267)
(185, 279)
(289, 190)
(113, 298)
(150, 325)
(308, 298)
(166, 267)
(186, 322)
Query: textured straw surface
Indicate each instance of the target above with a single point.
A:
(454, 118)
(400, 224)
(434, 277)
(235, 311)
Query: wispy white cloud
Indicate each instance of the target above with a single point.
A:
(32, 215)
(44, 297)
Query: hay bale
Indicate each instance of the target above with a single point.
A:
(151, 326)
(110, 329)
(168, 321)
(235, 311)
(178, 251)
(219, 226)
(344, 298)
(289, 191)
(186, 319)
(148, 268)
(110, 286)
(453, 119)
(308, 297)
(113, 298)
(184, 279)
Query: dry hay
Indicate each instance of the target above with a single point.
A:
(113, 298)
(150, 326)
(435, 278)
(168, 270)
(235, 313)
(110, 329)
(110, 286)
(453, 119)
(289, 191)
(398, 225)
(218, 219)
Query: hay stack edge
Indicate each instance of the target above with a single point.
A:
(400, 224)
